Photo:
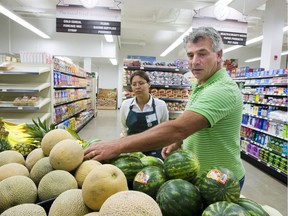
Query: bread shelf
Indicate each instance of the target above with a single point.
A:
(24, 87)
(7, 105)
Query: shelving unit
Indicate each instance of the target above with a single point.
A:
(264, 136)
(167, 83)
(72, 95)
(25, 80)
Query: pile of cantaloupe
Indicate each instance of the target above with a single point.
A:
(57, 171)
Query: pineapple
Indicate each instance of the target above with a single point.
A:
(39, 129)
(24, 149)
(4, 145)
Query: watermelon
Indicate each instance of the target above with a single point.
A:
(219, 184)
(129, 165)
(149, 180)
(137, 154)
(252, 207)
(181, 164)
(222, 208)
(152, 161)
(179, 197)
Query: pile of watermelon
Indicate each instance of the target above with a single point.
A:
(178, 189)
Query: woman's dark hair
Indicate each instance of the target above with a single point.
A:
(141, 74)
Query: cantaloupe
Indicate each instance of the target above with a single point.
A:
(13, 169)
(69, 203)
(11, 156)
(54, 183)
(40, 169)
(33, 157)
(66, 155)
(51, 138)
(16, 190)
(93, 214)
(27, 209)
(130, 203)
(102, 182)
(83, 170)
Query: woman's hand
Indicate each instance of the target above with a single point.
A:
(167, 150)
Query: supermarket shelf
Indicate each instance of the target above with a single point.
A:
(56, 123)
(268, 104)
(69, 87)
(170, 86)
(26, 69)
(166, 69)
(84, 123)
(267, 168)
(10, 106)
(67, 102)
(265, 132)
(264, 147)
(19, 118)
(269, 84)
(266, 94)
(263, 117)
(24, 87)
(260, 77)
(75, 75)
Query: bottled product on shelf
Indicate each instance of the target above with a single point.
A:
(264, 130)
(167, 83)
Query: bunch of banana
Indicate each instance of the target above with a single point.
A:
(18, 137)
(4, 145)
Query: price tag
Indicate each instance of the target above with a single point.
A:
(268, 165)
(20, 108)
(278, 170)
(4, 90)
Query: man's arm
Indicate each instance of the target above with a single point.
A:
(157, 137)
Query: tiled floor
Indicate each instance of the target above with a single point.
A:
(258, 185)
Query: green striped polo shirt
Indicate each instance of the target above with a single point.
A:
(220, 101)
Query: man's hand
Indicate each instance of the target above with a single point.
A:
(101, 151)
(167, 150)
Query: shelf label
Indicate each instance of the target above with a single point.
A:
(268, 165)
(20, 108)
(4, 90)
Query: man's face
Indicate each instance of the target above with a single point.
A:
(203, 61)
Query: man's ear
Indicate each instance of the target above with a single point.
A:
(219, 55)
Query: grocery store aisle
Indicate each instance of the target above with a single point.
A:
(258, 186)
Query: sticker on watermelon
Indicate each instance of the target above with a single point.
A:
(142, 177)
(218, 176)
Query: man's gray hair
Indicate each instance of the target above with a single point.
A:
(205, 32)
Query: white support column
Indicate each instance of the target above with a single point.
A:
(87, 64)
(273, 34)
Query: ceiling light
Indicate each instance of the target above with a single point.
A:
(22, 22)
(249, 42)
(259, 58)
(176, 43)
(109, 38)
(113, 61)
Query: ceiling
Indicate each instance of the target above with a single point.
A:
(153, 21)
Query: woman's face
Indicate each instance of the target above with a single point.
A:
(140, 86)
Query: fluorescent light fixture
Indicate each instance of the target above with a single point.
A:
(223, 2)
(109, 38)
(259, 58)
(249, 42)
(176, 43)
(113, 61)
(253, 59)
(22, 22)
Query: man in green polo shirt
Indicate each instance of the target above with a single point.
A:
(210, 124)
